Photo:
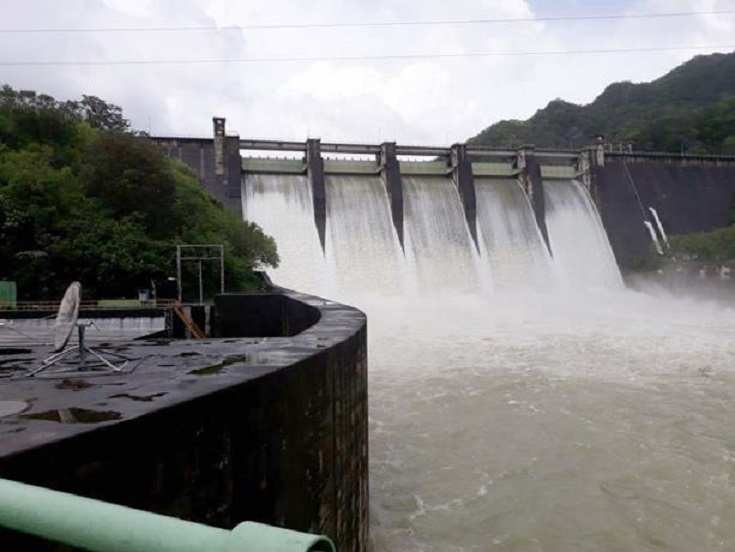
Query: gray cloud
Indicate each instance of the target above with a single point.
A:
(410, 100)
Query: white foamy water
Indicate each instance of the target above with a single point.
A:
(582, 254)
(659, 225)
(583, 418)
(436, 236)
(517, 253)
(283, 207)
(361, 240)
(654, 237)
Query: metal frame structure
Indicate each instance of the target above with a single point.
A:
(82, 349)
(209, 252)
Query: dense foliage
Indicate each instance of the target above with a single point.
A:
(83, 199)
(691, 109)
(717, 246)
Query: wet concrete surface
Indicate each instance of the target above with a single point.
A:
(59, 402)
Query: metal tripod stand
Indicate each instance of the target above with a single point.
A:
(101, 364)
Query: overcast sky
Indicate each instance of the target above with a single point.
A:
(418, 100)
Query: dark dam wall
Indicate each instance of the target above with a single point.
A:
(216, 161)
(689, 194)
(622, 214)
(269, 429)
(687, 198)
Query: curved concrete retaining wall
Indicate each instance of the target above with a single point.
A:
(218, 431)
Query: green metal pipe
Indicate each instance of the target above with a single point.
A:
(102, 527)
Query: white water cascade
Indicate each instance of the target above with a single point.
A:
(654, 237)
(362, 252)
(438, 242)
(582, 254)
(283, 207)
(514, 246)
(362, 245)
(659, 225)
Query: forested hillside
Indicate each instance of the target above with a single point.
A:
(691, 109)
(82, 198)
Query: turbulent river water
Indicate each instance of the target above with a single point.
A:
(519, 401)
(593, 422)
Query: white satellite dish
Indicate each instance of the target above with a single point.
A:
(66, 321)
(66, 318)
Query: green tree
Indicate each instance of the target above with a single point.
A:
(103, 116)
(131, 178)
(82, 200)
(717, 246)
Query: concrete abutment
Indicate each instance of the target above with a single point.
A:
(268, 423)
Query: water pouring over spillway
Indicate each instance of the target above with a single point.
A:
(511, 241)
(362, 252)
(582, 253)
(520, 397)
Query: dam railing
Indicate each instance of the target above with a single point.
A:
(101, 304)
(103, 527)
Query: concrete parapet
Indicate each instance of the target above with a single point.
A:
(269, 315)
(500, 170)
(424, 168)
(350, 167)
(675, 158)
(257, 165)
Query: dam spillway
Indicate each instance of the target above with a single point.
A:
(520, 397)
(359, 227)
(582, 252)
(508, 230)
(433, 243)
(439, 243)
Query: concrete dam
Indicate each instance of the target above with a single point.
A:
(507, 198)
(520, 396)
